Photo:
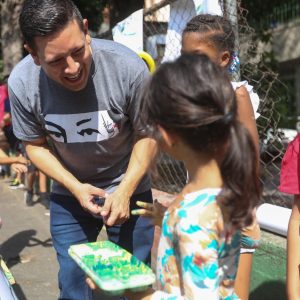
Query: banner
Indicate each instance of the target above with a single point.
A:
(181, 12)
(129, 32)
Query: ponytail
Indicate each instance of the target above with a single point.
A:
(239, 169)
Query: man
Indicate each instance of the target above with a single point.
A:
(82, 94)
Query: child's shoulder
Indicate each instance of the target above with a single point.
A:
(201, 205)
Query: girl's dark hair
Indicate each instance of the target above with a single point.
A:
(45, 17)
(194, 98)
(215, 28)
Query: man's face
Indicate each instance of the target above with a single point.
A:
(65, 56)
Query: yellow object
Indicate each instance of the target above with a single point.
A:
(7, 272)
(148, 60)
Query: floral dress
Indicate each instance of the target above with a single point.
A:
(197, 254)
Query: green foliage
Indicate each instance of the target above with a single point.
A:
(1, 70)
(279, 93)
(269, 13)
(91, 10)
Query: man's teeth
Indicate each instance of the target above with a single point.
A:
(74, 77)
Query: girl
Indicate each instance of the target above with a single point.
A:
(189, 106)
(290, 184)
(214, 36)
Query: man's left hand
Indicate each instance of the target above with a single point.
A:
(116, 208)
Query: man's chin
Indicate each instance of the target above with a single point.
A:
(75, 87)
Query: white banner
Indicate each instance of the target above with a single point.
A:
(129, 32)
(181, 12)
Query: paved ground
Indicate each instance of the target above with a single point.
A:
(26, 246)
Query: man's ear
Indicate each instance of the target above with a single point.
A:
(86, 30)
(168, 136)
(85, 26)
(224, 59)
(33, 54)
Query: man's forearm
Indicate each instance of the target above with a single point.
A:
(143, 154)
(44, 159)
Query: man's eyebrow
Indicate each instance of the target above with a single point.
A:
(53, 59)
(83, 121)
(59, 57)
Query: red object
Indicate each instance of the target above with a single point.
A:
(3, 97)
(290, 169)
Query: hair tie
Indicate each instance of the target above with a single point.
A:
(227, 119)
(234, 67)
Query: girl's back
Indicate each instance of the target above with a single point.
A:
(198, 252)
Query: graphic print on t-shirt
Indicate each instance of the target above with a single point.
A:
(82, 128)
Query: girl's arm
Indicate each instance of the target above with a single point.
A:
(246, 114)
(293, 252)
(7, 160)
(154, 211)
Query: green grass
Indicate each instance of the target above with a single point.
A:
(268, 273)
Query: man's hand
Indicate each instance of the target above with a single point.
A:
(116, 208)
(154, 211)
(86, 193)
(132, 295)
(91, 283)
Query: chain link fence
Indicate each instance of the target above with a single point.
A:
(171, 175)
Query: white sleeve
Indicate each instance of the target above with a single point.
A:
(254, 98)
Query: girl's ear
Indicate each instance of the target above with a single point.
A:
(168, 137)
(224, 59)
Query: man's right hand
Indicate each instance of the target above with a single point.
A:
(85, 193)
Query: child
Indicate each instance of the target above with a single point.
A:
(214, 36)
(18, 163)
(289, 183)
(189, 106)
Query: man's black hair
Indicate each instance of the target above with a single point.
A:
(45, 17)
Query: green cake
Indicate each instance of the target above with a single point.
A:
(111, 267)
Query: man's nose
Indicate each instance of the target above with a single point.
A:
(72, 66)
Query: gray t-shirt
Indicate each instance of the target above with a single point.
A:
(92, 131)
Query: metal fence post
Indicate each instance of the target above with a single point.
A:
(230, 12)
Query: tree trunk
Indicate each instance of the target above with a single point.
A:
(11, 40)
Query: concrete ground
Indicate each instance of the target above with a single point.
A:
(27, 248)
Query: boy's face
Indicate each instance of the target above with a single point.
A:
(193, 42)
(65, 56)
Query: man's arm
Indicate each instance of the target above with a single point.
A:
(44, 159)
(116, 208)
